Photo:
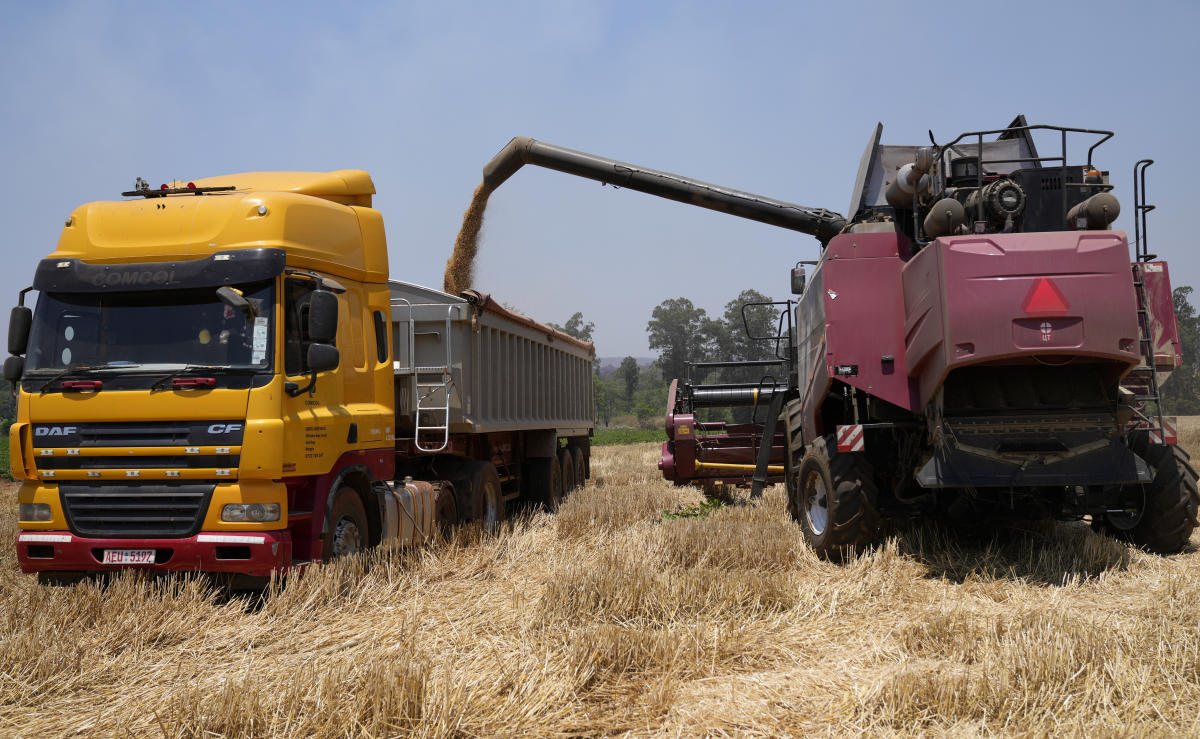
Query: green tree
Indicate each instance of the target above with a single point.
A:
(8, 410)
(1181, 392)
(628, 372)
(681, 333)
(575, 326)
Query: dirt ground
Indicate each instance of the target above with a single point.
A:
(610, 619)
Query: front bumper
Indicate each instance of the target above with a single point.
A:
(258, 553)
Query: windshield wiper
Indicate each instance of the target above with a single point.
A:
(189, 369)
(70, 369)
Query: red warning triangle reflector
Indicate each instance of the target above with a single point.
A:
(1045, 297)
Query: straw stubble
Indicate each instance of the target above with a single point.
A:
(610, 618)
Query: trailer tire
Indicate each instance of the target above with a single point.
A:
(1170, 502)
(347, 531)
(833, 497)
(580, 467)
(566, 464)
(487, 497)
(543, 483)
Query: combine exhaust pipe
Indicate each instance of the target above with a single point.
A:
(818, 222)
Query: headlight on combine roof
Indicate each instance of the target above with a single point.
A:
(34, 512)
(252, 512)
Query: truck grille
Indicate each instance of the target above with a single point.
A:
(137, 510)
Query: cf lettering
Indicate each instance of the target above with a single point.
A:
(224, 428)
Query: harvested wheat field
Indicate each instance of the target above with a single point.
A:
(611, 619)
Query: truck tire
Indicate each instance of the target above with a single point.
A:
(832, 496)
(445, 509)
(566, 465)
(486, 495)
(1169, 502)
(580, 467)
(346, 532)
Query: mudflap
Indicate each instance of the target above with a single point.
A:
(1111, 464)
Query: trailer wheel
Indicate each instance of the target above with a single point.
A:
(543, 483)
(580, 467)
(1166, 516)
(347, 531)
(832, 496)
(487, 497)
(566, 464)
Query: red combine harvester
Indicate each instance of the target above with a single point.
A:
(973, 342)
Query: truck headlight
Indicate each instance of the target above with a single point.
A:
(34, 512)
(256, 512)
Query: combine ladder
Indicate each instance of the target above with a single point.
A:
(1143, 379)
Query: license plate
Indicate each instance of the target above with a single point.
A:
(128, 556)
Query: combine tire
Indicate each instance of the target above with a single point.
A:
(832, 496)
(347, 532)
(1167, 505)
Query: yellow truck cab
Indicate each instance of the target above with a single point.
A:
(208, 382)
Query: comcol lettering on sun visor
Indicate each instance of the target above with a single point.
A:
(227, 267)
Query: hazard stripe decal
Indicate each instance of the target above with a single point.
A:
(851, 438)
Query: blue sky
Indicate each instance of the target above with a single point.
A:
(774, 98)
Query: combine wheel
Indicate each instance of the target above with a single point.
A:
(1163, 510)
(580, 467)
(566, 463)
(832, 496)
(347, 526)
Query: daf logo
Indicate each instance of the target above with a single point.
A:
(224, 428)
(54, 431)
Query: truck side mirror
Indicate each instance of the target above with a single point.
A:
(19, 322)
(323, 357)
(14, 367)
(322, 317)
(798, 280)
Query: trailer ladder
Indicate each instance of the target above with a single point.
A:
(434, 384)
(431, 386)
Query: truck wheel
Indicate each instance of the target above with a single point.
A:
(347, 531)
(832, 496)
(445, 509)
(1164, 509)
(580, 467)
(566, 463)
(486, 496)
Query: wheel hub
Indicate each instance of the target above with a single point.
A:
(347, 539)
(816, 502)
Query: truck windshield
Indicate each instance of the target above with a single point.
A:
(152, 330)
